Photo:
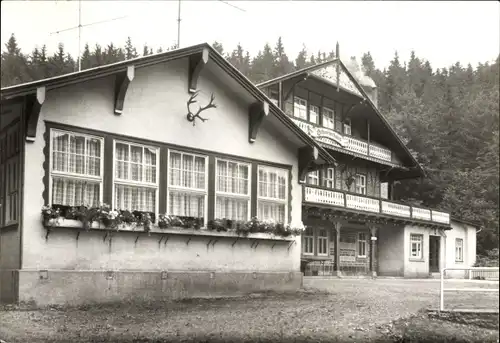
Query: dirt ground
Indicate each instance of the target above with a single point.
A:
(326, 311)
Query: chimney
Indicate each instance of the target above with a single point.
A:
(364, 80)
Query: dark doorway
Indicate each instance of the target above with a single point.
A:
(434, 244)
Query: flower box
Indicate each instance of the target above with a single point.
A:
(154, 229)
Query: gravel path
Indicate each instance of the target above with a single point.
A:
(327, 311)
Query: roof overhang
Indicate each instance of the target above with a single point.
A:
(198, 55)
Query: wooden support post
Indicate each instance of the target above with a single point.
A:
(33, 108)
(368, 135)
(373, 250)
(280, 96)
(196, 64)
(307, 157)
(122, 82)
(337, 226)
(256, 114)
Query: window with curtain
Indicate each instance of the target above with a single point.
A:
(328, 118)
(232, 199)
(272, 194)
(187, 184)
(75, 168)
(328, 178)
(136, 177)
(300, 108)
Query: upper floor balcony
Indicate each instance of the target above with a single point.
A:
(372, 205)
(343, 142)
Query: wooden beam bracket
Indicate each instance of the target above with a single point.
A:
(287, 90)
(256, 114)
(122, 82)
(196, 64)
(307, 157)
(33, 107)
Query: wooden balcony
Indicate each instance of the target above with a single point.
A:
(336, 198)
(334, 139)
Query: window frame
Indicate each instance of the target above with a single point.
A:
(232, 195)
(420, 241)
(347, 127)
(132, 183)
(317, 112)
(185, 189)
(363, 187)
(310, 239)
(358, 245)
(322, 240)
(325, 178)
(273, 200)
(313, 175)
(295, 105)
(459, 257)
(332, 118)
(74, 176)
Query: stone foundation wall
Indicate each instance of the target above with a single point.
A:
(68, 287)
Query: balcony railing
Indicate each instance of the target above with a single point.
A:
(331, 137)
(373, 205)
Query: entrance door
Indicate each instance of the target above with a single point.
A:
(434, 243)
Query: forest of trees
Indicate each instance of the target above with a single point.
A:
(448, 117)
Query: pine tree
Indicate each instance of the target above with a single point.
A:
(145, 50)
(130, 50)
(282, 64)
(301, 60)
(14, 64)
(218, 47)
(86, 58)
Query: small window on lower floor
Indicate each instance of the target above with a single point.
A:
(416, 246)
(361, 244)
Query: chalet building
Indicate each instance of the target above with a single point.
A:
(181, 133)
(143, 179)
(354, 225)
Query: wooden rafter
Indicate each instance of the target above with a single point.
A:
(122, 82)
(196, 64)
(256, 114)
(307, 157)
(33, 107)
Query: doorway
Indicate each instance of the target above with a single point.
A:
(434, 245)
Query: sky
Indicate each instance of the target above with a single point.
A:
(441, 32)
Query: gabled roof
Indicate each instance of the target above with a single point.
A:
(348, 83)
(12, 92)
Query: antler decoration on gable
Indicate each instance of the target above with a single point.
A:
(192, 116)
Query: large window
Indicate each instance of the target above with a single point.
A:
(300, 108)
(314, 114)
(136, 177)
(322, 242)
(360, 183)
(361, 244)
(313, 178)
(272, 194)
(416, 246)
(328, 178)
(459, 250)
(75, 169)
(308, 241)
(232, 190)
(328, 118)
(187, 181)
